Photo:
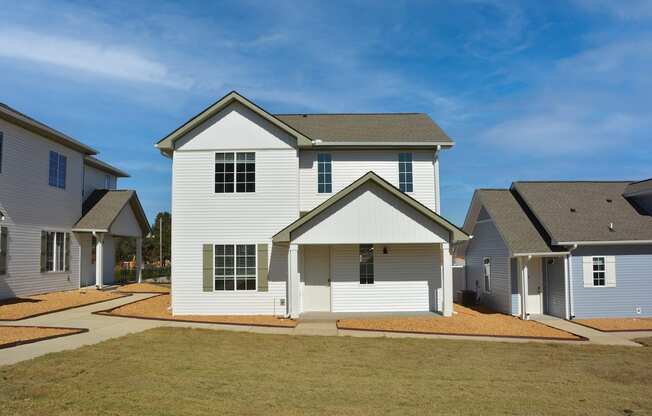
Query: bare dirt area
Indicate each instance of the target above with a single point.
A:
(26, 307)
(11, 336)
(145, 288)
(465, 321)
(617, 324)
(157, 307)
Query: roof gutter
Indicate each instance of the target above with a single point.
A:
(374, 144)
(602, 243)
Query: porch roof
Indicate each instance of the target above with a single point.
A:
(102, 208)
(456, 234)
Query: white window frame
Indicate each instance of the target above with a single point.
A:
(486, 281)
(61, 159)
(235, 172)
(327, 165)
(603, 271)
(409, 170)
(55, 260)
(235, 272)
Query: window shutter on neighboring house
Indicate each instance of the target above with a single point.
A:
(44, 243)
(207, 267)
(3, 250)
(263, 267)
(587, 270)
(610, 268)
(67, 244)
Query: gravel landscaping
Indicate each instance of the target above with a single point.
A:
(617, 324)
(466, 321)
(29, 306)
(145, 288)
(157, 307)
(10, 336)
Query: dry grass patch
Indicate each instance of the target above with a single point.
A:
(25, 307)
(617, 324)
(180, 371)
(157, 307)
(466, 321)
(145, 288)
(16, 335)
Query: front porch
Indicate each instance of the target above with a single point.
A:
(540, 286)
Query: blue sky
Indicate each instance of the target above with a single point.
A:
(529, 90)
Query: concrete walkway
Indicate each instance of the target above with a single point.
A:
(594, 336)
(102, 328)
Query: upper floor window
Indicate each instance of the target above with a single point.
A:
(599, 271)
(57, 170)
(366, 264)
(405, 172)
(324, 179)
(235, 172)
(486, 270)
(1, 140)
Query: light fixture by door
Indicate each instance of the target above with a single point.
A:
(2, 216)
(384, 249)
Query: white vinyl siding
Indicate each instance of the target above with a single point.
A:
(349, 165)
(97, 179)
(1, 142)
(30, 205)
(407, 278)
(599, 271)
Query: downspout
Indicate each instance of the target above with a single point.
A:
(569, 283)
(437, 187)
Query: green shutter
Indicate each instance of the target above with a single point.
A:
(263, 268)
(3, 250)
(209, 273)
(44, 249)
(67, 244)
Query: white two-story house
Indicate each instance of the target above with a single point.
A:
(59, 210)
(286, 214)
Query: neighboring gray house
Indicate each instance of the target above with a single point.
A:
(577, 249)
(59, 210)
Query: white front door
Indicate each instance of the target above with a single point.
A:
(316, 272)
(535, 287)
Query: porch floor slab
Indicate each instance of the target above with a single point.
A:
(595, 336)
(334, 316)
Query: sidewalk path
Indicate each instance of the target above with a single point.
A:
(102, 328)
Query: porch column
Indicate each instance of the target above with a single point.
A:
(99, 263)
(293, 281)
(525, 262)
(447, 280)
(139, 259)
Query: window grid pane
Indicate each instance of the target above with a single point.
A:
(366, 264)
(324, 174)
(405, 182)
(49, 252)
(59, 251)
(224, 173)
(53, 169)
(246, 172)
(235, 267)
(599, 271)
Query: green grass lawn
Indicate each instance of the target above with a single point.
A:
(169, 371)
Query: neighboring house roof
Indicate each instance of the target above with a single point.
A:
(392, 129)
(583, 212)
(103, 166)
(636, 188)
(360, 129)
(102, 207)
(166, 144)
(511, 219)
(456, 234)
(28, 123)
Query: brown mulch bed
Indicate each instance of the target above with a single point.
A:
(617, 324)
(11, 336)
(467, 321)
(157, 307)
(145, 288)
(30, 306)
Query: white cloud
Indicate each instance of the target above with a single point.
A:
(621, 9)
(101, 59)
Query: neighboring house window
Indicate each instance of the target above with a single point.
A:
(324, 178)
(1, 143)
(486, 269)
(366, 264)
(57, 170)
(235, 172)
(107, 181)
(235, 267)
(405, 172)
(55, 252)
(599, 271)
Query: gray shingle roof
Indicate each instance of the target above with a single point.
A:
(352, 128)
(102, 207)
(636, 187)
(583, 211)
(511, 219)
